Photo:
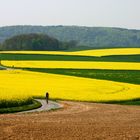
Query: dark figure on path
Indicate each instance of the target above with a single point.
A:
(47, 97)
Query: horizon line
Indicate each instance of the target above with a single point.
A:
(3, 26)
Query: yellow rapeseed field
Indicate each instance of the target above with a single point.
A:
(19, 84)
(74, 64)
(99, 52)
(106, 52)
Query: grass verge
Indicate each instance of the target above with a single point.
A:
(34, 105)
(15, 103)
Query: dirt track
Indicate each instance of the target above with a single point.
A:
(45, 107)
(76, 121)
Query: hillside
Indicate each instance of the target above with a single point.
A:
(32, 42)
(86, 36)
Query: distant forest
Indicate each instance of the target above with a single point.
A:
(95, 37)
(34, 42)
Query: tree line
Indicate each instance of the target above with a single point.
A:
(35, 42)
(95, 37)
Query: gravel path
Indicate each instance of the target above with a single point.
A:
(45, 107)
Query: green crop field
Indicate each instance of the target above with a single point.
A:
(51, 57)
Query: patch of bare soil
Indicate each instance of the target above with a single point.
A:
(77, 121)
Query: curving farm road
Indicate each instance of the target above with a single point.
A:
(76, 121)
(45, 107)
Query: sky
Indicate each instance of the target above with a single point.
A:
(98, 13)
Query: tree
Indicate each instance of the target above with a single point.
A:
(32, 42)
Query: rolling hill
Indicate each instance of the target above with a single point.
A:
(95, 37)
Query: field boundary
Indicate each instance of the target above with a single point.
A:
(34, 105)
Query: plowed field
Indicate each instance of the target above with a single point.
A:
(77, 121)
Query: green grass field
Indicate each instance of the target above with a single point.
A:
(9, 109)
(50, 57)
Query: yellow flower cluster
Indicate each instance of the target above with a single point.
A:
(74, 64)
(19, 84)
